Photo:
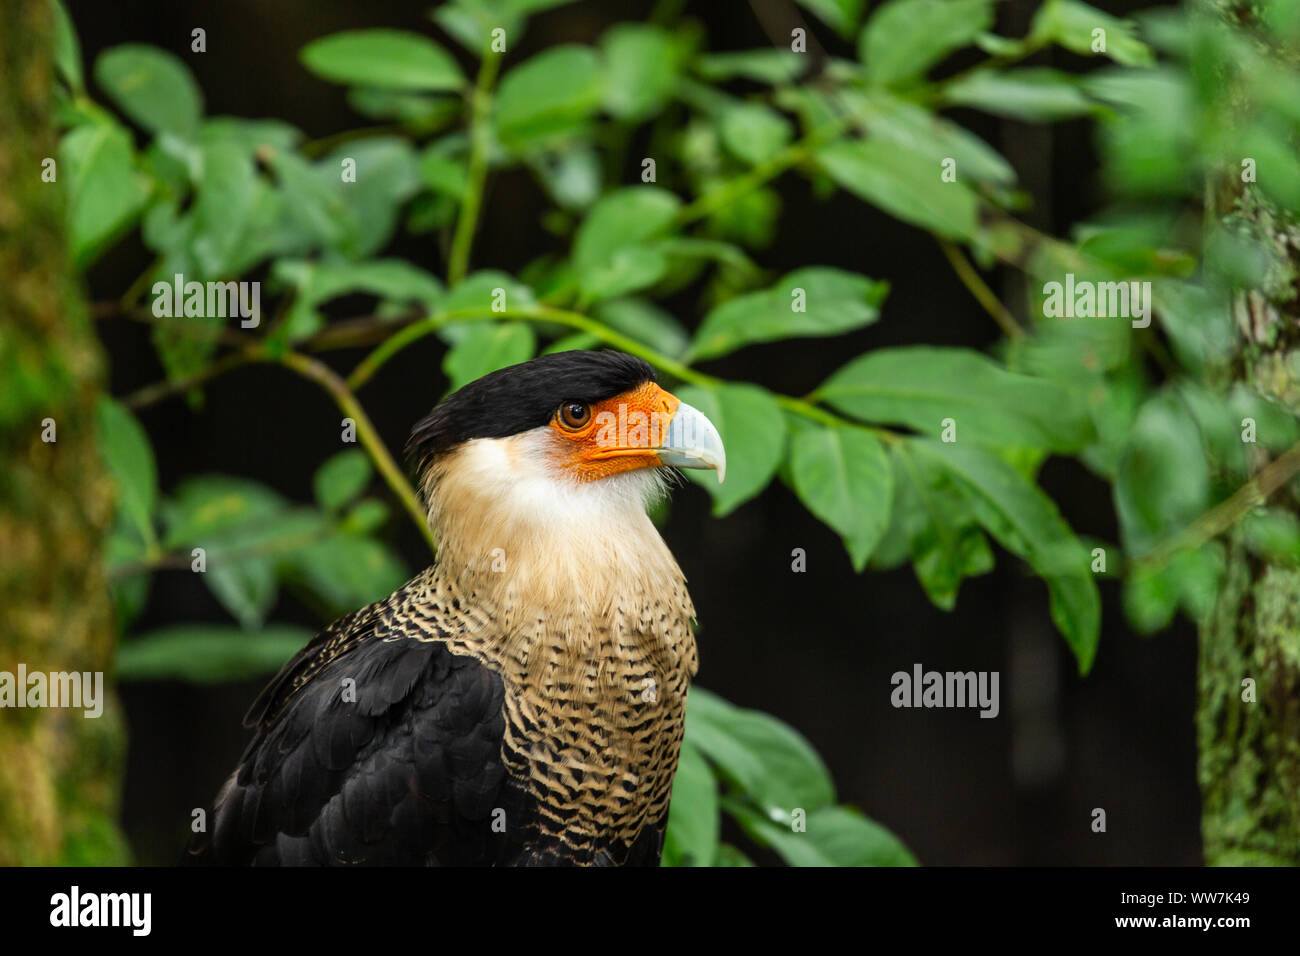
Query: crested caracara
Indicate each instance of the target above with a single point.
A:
(521, 701)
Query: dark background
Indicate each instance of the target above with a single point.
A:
(815, 649)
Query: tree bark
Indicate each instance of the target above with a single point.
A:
(1249, 767)
(1250, 750)
(60, 771)
(1250, 743)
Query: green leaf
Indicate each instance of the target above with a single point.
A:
(1193, 578)
(67, 49)
(471, 22)
(929, 136)
(125, 549)
(1026, 522)
(1150, 597)
(844, 478)
(245, 586)
(341, 479)
(392, 59)
(754, 132)
(1071, 353)
(205, 653)
(768, 760)
(628, 269)
(903, 183)
(1163, 482)
(387, 174)
(693, 812)
(104, 196)
(841, 15)
(395, 282)
(728, 855)
(752, 427)
(937, 528)
(487, 291)
(834, 836)
(547, 96)
(692, 250)
(904, 38)
(833, 302)
(1273, 534)
(365, 516)
(420, 111)
(486, 348)
(152, 87)
(921, 386)
(1276, 426)
(1150, 144)
(1073, 25)
(641, 64)
(347, 571)
(645, 322)
(762, 66)
(130, 461)
(609, 252)
(572, 177)
(245, 530)
(443, 172)
(622, 218)
(1034, 94)
(225, 203)
(313, 204)
(203, 509)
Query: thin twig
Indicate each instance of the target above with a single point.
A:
(320, 373)
(979, 288)
(797, 152)
(185, 326)
(1229, 511)
(371, 364)
(165, 389)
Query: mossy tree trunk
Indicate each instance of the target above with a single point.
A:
(1250, 750)
(1249, 737)
(59, 770)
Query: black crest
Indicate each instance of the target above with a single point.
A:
(520, 397)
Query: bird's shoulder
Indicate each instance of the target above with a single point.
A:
(409, 619)
(376, 743)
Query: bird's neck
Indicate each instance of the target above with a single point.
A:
(578, 572)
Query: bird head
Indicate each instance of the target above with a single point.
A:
(568, 431)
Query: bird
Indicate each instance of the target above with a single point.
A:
(521, 701)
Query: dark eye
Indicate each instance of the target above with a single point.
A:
(574, 414)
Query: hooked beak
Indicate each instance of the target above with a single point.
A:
(692, 442)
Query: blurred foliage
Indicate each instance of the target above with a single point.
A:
(1179, 101)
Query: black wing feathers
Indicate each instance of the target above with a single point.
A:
(402, 766)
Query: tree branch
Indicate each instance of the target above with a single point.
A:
(320, 373)
(979, 288)
(371, 364)
(1229, 511)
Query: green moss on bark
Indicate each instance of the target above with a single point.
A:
(1250, 751)
(59, 771)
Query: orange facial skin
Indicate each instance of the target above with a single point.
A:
(620, 434)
